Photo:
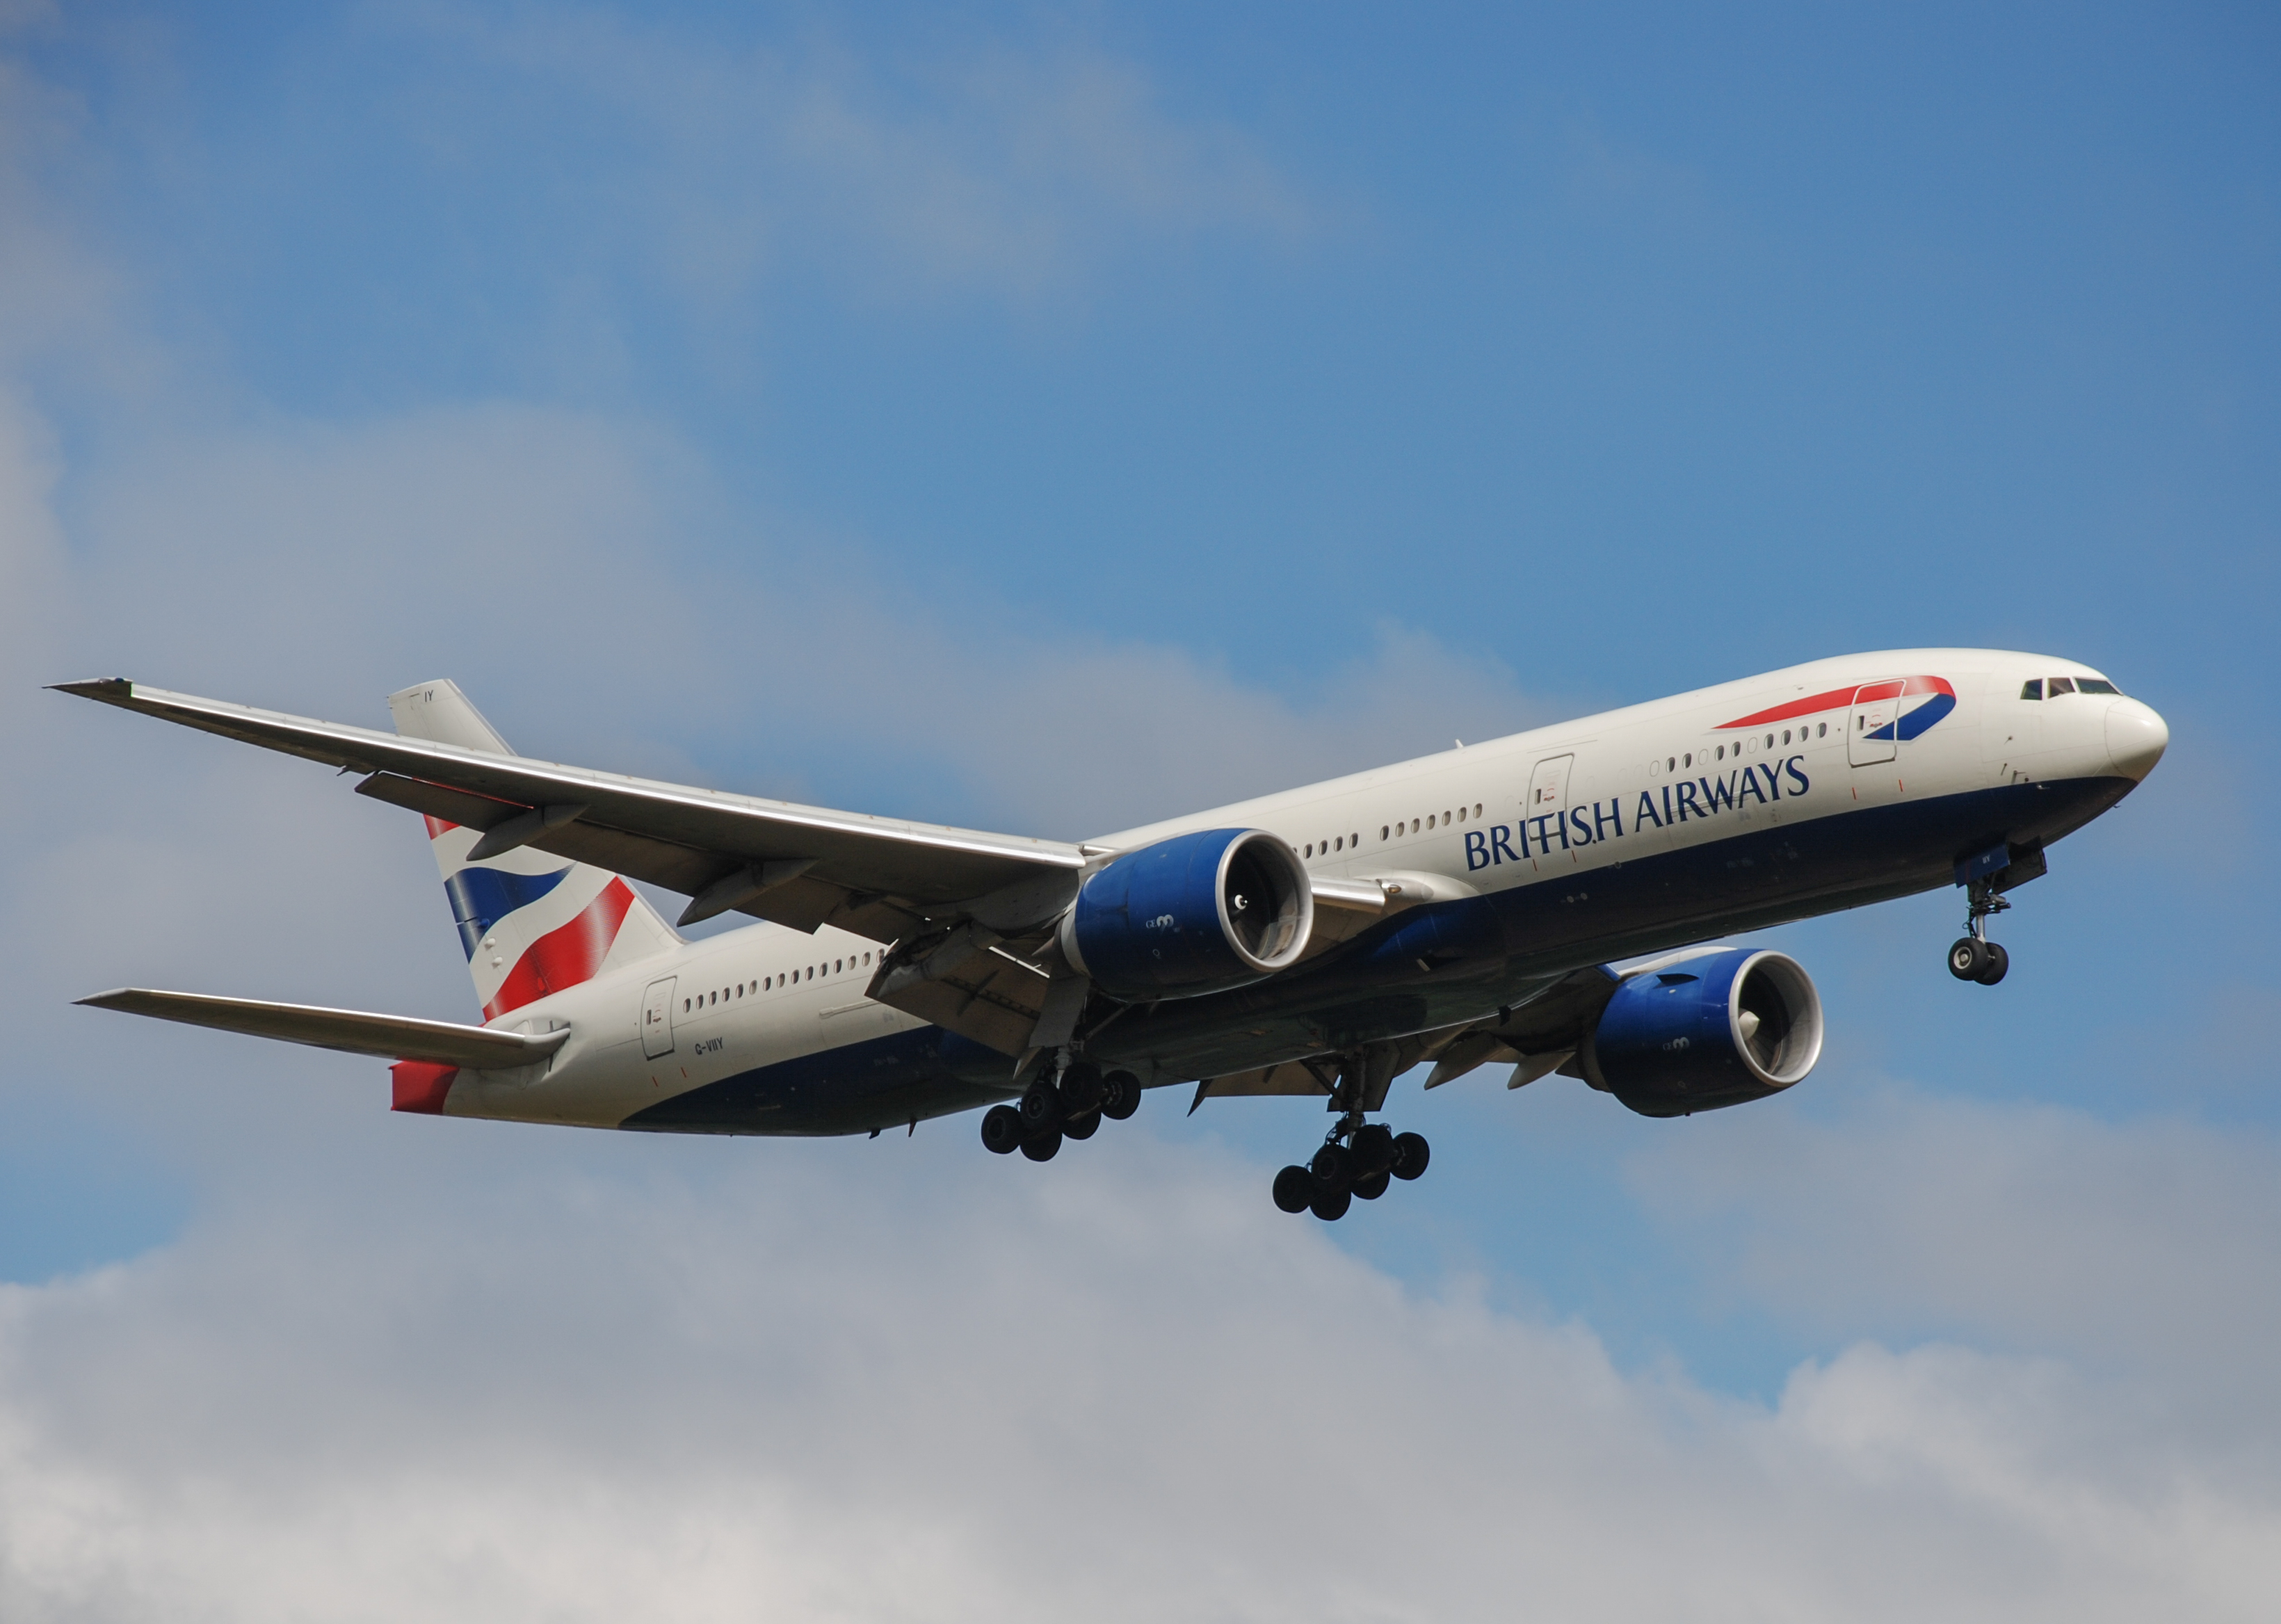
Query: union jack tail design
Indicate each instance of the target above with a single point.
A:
(531, 924)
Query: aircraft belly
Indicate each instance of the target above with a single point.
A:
(880, 1082)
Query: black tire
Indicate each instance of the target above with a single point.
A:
(1411, 1155)
(1082, 1127)
(1370, 1187)
(1330, 1205)
(1082, 1089)
(1998, 963)
(1373, 1149)
(1333, 1170)
(1124, 1095)
(1041, 1107)
(1968, 957)
(1294, 1189)
(1041, 1147)
(1002, 1129)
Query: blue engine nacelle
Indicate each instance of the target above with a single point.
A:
(1197, 913)
(1720, 1029)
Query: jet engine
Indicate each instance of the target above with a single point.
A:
(1721, 1029)
(1198, 913)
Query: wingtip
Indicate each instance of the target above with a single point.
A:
(104, 1000)
(98, 688)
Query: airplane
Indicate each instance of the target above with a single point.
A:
(1555, 901)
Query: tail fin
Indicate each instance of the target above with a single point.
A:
(531, 924)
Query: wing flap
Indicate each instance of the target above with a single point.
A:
(352, 1031)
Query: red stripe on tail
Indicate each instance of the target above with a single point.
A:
(566, 955)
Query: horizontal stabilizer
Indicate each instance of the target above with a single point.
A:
(352, 1031)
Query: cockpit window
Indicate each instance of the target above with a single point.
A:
(2032, 689)
(2093, 685)
(2062, 685)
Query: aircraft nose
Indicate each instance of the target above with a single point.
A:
(2136, 737)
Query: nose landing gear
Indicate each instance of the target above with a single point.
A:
(1356, 1162)
(1972, 957)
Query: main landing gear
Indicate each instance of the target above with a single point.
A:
(1052, 1111)
(1358, 1158)
(1972, 957)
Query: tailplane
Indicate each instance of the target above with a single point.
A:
(531, 924)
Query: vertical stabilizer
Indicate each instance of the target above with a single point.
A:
(529, 924)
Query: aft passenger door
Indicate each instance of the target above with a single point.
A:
(1873, 722)
(657, 1019)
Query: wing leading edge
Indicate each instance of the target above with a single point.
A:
(801, 866)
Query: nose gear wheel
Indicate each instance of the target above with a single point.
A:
(1972, 957)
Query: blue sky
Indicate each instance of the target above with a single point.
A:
(1051, 419)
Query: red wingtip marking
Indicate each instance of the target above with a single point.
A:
(421, 1085)
(566, 955)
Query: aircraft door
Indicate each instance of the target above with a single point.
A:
(1872, 724)
(1548, 798)
(657, 1019)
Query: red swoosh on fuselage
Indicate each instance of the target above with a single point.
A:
(1836, 698)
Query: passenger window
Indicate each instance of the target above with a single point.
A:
(1785, 738)
(1382, 831)
(1445, 816)
(1688, 760)
(1461, 814)
(1670, 763)
(2092, 684)
(1477, 808)
(684, 1006)
(1770, 741)
(2032, 689)
(1822, 731)
(1309, 850)
(2061, 685)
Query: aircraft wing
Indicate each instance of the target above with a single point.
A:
(886, 879)
(390, 1037)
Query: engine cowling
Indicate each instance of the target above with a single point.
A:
(1196, 914)
(1721, 1029)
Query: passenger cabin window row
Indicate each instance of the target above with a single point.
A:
(2037, 688)
(766, 984)
(1447, 816)
(1719, 752)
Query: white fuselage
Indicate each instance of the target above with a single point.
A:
(1658, 788)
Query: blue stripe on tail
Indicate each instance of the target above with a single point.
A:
(483, 897)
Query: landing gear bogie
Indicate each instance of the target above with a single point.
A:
(1071, 1104)
(1358, 1161)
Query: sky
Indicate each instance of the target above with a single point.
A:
(1050, 419)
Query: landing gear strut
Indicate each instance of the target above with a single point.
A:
(1972, 957)
(1070, 1106)
(1358, 1160)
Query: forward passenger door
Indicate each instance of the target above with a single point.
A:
(1872, 724)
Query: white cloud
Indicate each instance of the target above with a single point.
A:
(2141, 1246)
(902, 1380)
